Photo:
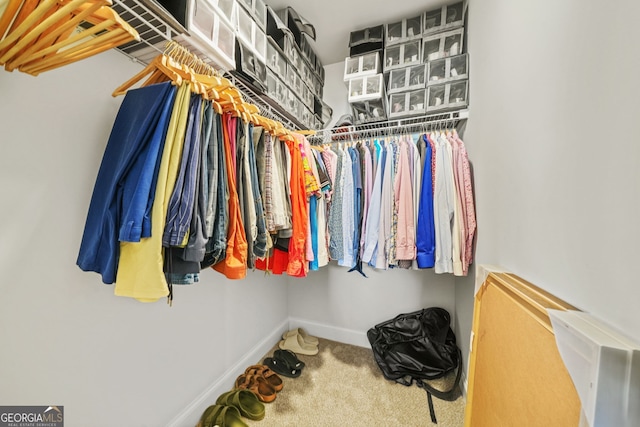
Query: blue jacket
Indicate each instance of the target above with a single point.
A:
(125, 186)
(426, 234)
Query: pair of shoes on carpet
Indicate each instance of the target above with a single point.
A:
(285, 363)
(298, 341)
(262, 381)
(229, 409)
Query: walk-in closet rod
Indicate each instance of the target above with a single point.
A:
(414, 124)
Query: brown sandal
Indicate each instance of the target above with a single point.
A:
(268, 374)
(257, 384)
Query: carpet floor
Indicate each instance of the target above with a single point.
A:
(343, 386)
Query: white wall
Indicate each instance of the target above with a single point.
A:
(342, 306)
(66, 339)
(554, 140)
(335, 91)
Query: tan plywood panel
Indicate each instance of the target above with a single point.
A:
(516, 374)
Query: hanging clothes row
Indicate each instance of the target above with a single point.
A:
(398, 201)
(177, 189)
(192, 178)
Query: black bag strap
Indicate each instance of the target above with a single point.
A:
(447, 395)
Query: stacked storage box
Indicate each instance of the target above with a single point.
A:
(211, 24)
(251, 44)
(447, 65)
(363, 75)
(295, 75)
(422, 64)
(427, 71)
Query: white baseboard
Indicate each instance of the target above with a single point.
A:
(333, 333)
(190, 415)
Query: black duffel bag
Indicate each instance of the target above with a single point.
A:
(418, 346)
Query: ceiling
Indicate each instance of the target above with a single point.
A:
(335, 19)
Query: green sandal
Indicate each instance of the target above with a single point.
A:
(230, 417)
(245, 401)
(210, 415)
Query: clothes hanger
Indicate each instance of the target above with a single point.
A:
(156, 64)
(117, 32)
(50, 42)
(55, 34)
(30, 34)
(22, 15)
(12, 8)
(29, 15)
(96, 45)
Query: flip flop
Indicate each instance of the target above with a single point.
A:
(289, 357)
(245, 401)
(296, 344)
(282, 367)
(305, 336)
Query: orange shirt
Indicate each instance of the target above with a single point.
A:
(234, 266)
(298, 265)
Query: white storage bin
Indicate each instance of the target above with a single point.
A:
(442, 45)
(245, 27)
(417, 103)
(444, 18)
(447, 96)
(458, 93)
(398, 104)
(307, 75)
(365, 88)
(248, 64)
(369, 111)
(410, 103)
(448, 69)
(260, 43)
(307, 96)
(260, 14)
(272, 85)
(402, 31)
(363, 65)
(402, 55)
(210, 34)
(275, 58)
(252, 36)
(403, 79)
(229, 9)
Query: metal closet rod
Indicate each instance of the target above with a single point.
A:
(428, 122)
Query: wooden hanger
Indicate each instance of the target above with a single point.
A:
(96, 45)
(44, 37)
(30, 12)
(51, 40)
(9, 13)
(155, 65)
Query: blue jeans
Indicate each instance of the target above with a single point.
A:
(183, 196)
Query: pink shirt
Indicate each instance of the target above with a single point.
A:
(403, 193)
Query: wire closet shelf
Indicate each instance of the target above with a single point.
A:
(449, 120)
(156, 27)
